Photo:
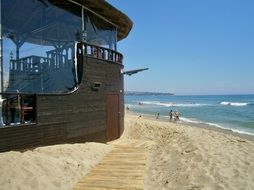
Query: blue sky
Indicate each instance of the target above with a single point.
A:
(190, 46)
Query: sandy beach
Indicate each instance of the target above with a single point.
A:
(185, 157)
(49, 167)
(180, 157)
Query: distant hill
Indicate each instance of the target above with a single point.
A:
(133, 93)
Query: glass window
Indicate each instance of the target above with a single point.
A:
(38, 44)
(99, 32)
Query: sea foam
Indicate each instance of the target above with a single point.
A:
(187, 120)
(240, 131)
(234, 103)
(172, 104)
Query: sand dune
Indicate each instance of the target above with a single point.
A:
(51, 167)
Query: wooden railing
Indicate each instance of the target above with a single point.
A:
(28, 64)
(102, 53)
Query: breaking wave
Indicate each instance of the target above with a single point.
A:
(240, 131)
(234, 103)
(172, 104)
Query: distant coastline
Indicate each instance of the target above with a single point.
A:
(134, 93)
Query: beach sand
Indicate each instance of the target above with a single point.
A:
(185, 157)
(180, 157)
(49, 167)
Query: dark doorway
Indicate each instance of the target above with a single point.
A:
(112, 116)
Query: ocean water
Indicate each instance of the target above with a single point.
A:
(234, 112)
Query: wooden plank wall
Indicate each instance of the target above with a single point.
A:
(78, 117)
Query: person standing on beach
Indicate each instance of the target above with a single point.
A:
(158, 115)
(170, 115)
(177, 116)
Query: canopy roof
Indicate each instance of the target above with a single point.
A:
(26, 23)
(103, 8)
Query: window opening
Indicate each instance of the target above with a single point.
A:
(38, 40)
(18, 109)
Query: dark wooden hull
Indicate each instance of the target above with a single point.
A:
(78, 117)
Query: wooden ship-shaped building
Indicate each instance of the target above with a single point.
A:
(61, 74)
